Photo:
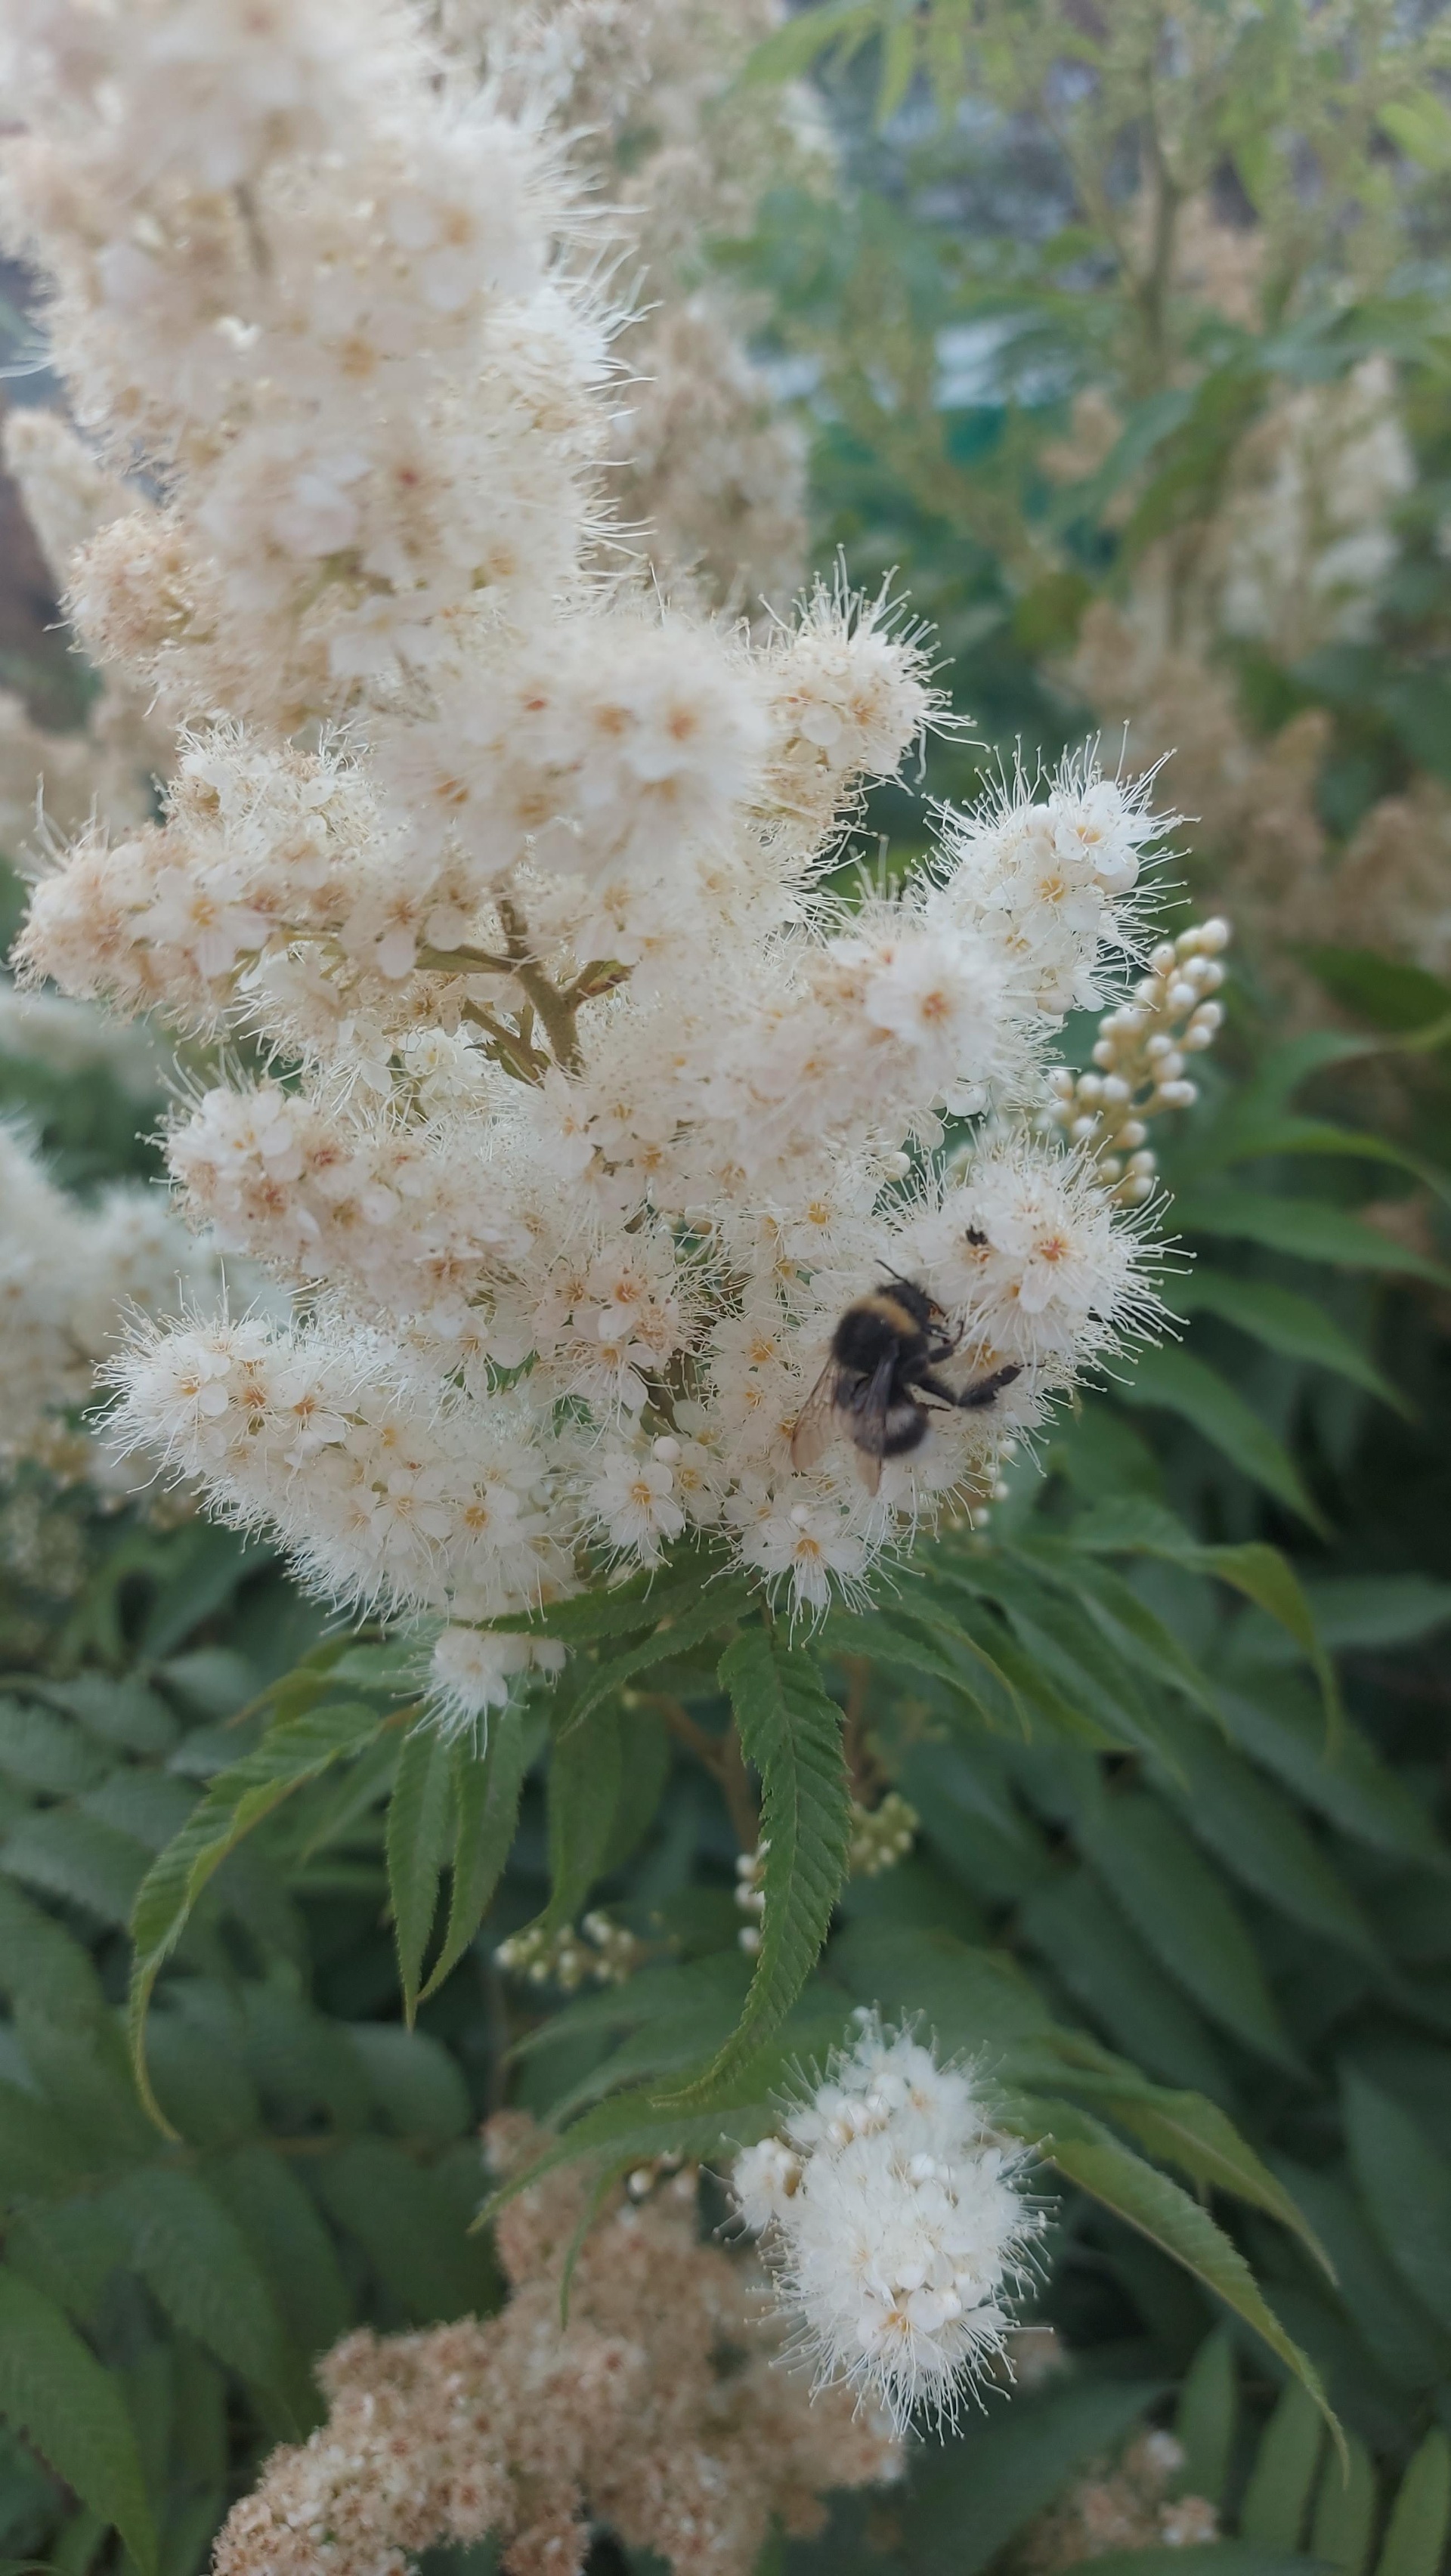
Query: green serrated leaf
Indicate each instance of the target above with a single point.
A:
(81, 2066)
(1422, 127)
(584, 1789)
(1148, 1865)
(68, 2252)
(1277, 2499)
(623, 1609)
(202, 2085)
(1345, 2512)
(1129, 1626)
(44, 1751)
(791, 49)
(1106, 1966)
(289, 1754)
(1288, 1135)
(415, 2083)
(85, 1863)
(674, 1633)
(1174, 1381)
(1186, 2130)
(1285, 1322)
(288, 2242)
(645, 1768)
(933, 1644)
(40, 2156)
(1415, 2540)
(969, 2499)
(487, 1813)
(1378, 1609)
(1259, 1572)
(899, 64)
(1207, 2416)
(790, 1729)
(1091, 1691)
(398, 1670)
(192, 2255)
(1306, 1228)
(43, 1965)
(1279, 1726)
(1406, 2187)
(1157, 2207)
(409, 2227)
(55, 2391)
(969, 1999)
(119, 1710)
(1408, 2348)
(1255, 1834)
(633, 2127)
(419, 1819)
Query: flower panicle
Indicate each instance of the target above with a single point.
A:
(892, 2216)
(586, 1107)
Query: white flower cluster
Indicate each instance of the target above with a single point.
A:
(707, 471)
(893, 2223)
(52, 783)
(69, 1272)
(590, 1109)
(1307, 533)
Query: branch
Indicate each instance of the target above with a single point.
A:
(721, 1756)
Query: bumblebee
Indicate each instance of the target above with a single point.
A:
(885, 1353)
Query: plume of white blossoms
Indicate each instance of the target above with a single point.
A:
(53, 782)
(894, 2225)
(708, 472)
(589, 1109)
(69, 1272)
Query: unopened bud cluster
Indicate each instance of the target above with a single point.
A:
(599, 1953)
(751, 1895)
(1140, 1061)
(881, 1835)
(644, 2179)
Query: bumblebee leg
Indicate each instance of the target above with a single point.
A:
(987, 1389)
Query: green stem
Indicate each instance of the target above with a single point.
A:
(507, 1047)
(556, 1010)
(463, 961)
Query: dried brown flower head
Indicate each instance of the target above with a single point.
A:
(654, 2409)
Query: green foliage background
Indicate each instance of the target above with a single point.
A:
(1175, 1723)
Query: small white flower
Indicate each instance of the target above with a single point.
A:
(1030, 1252)
(634, 1501)
(205, 916)
(473, 1670)
(810, 1542)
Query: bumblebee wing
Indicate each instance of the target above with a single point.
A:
(865, 1404)
(817, 1423)
(868, 1467)
(868, 1411)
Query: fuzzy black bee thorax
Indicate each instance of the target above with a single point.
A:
(877, 1328)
